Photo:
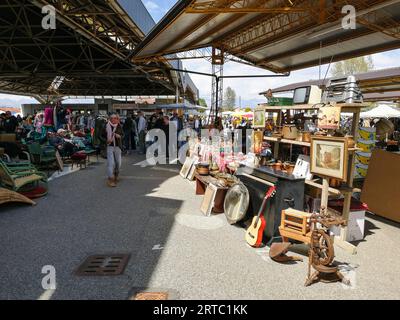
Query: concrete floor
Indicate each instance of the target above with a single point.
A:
(154, 215)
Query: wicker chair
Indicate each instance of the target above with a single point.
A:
(8, 196)
(16, 180)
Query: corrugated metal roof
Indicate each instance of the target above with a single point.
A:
(299, 37)
(142, 18)
(383, 80)
(139, 14)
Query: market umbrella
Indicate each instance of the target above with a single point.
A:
(382, 111)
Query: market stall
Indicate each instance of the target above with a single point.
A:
(301, 151)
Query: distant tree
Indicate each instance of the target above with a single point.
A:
(352, 66)
(203, 103)
(229, 99)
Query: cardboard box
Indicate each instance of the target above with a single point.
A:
(382, 186)
(356, 222)
(355, 228)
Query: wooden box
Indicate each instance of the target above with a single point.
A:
(295, 225)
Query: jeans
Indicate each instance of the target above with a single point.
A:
(129, 140)
(114, 161)
(142, 141)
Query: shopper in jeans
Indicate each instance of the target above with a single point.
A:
(115, 136)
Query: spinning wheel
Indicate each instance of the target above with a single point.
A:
(322, 253)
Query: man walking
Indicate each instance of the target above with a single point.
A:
(129, 132)
(114, 149)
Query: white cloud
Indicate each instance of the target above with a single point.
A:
(386, 59)
(150, 5)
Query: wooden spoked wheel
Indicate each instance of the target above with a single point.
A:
(323, 249)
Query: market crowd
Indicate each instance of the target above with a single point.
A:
(75, 134)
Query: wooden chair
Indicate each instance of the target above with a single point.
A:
(41, 157)
(16, 180)
(18, 166)
(295, 225)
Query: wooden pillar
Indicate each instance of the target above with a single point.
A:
(325, 194)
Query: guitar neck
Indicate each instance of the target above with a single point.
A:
(264, 203)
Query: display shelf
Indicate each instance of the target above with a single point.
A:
(346, 107)
(295, 142)
(319, 186)
(287, 141)
(336, 191)
(272, 139)
(299, 143)
(355, 110)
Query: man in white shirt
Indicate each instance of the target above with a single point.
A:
(142, 127)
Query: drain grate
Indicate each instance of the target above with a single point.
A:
(103, 265)
(156, 296)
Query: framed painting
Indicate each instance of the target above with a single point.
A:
(207, 205)
(329, 118)
(329, 157)
(193, 169)
(259, 118)
(186, 167)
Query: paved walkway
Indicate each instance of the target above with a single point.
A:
(154, 215)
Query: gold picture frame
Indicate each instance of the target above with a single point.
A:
(329, 157)
(259, 118)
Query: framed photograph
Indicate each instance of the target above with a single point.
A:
(193, 169)
(329, 157)
(186, 167)
(257, 142)
(259, 118)
(207, 205)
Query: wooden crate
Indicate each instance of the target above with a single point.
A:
(295, 225)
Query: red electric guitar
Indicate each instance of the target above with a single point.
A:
(254, 235)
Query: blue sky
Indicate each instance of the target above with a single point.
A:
(247, 89)
(158, 8)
